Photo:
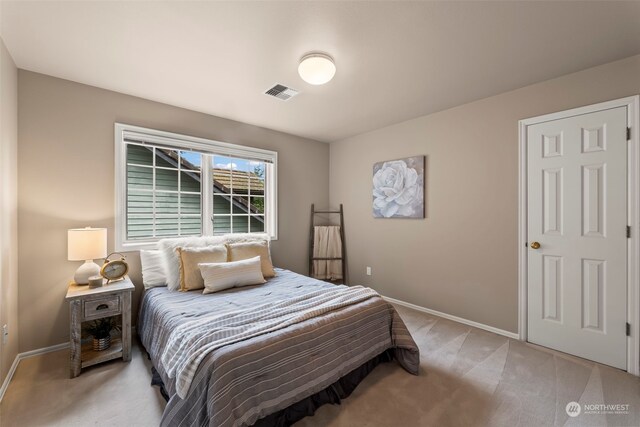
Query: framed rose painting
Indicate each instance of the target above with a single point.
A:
(398, 188)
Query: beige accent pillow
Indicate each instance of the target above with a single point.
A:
(172, 259)
(240, 251)
(190, 277)
(226, 275)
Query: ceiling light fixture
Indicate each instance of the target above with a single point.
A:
(317, 68)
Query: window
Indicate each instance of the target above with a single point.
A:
(170, 185)
(238, 195)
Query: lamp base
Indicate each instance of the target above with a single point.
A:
(86, 270)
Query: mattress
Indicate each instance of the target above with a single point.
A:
(246, 381)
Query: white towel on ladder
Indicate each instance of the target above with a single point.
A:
(327, 243)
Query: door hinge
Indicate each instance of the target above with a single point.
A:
(628, 231)
(628, 330)
(628, 134)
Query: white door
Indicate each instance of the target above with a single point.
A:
(577, 213)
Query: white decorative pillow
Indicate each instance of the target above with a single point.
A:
(172, 261)
(219, 276)
(153, 270)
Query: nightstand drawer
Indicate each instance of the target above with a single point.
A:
(102, 307)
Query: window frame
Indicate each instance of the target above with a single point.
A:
(209, 148)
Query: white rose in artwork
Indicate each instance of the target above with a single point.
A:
(396, 190)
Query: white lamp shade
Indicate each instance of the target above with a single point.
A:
(86, 243)
(317, 68)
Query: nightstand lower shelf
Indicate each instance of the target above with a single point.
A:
(91, 357)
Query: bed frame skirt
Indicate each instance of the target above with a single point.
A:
(334, 394)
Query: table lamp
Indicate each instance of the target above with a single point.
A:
(86, 244)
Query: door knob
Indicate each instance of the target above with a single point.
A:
(535, 245)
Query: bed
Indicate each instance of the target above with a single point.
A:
(263, 379)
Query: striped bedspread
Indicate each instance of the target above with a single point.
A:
(239, 355)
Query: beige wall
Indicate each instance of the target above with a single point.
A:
(8, 208)
(66, 179)
(461, 259)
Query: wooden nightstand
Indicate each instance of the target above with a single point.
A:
(87, 304)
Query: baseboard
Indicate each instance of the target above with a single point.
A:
(454, 318)
(26, 355)
(43, 350)
(7, 380)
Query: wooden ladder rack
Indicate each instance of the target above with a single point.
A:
(311, 241)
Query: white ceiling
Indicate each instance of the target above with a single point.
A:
(395, 60)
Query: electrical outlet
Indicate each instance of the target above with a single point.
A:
(5, 334)
(368, 271)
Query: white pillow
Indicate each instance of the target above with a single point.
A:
(153, 271)
(219, 276)
(172, 260)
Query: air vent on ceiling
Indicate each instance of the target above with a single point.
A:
(281, 92)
